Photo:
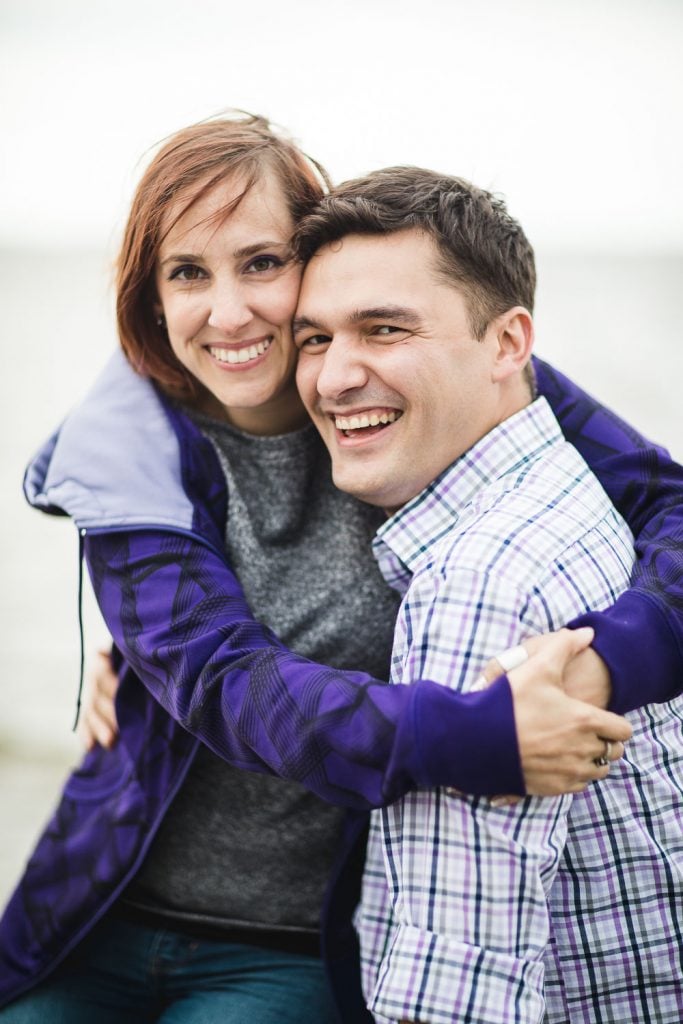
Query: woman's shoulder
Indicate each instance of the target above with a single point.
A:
(115, 461)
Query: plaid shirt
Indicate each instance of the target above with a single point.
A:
(570, 907)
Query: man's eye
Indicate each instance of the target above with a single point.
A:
(314, 341)
(187, 272)
(261, 264)
(387, 329)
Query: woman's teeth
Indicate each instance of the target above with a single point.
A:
(240, 355)
(373, 419)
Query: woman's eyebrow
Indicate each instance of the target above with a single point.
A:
(181, 257)
(257, 247)
(244, 252)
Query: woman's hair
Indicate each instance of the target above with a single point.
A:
(187, 167)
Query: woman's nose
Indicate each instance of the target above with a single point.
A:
(230, 310)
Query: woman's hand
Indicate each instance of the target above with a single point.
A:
(97, 722)
(586, 677)
(564, 742)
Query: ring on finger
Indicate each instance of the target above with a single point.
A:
(603, 761)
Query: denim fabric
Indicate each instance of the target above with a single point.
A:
(127, 973)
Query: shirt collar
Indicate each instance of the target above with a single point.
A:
(405, 538)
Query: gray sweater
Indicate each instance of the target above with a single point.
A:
(301, 550)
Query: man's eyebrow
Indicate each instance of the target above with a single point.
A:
(300, 323)
(403, 313)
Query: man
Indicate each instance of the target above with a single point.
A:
(414, 329)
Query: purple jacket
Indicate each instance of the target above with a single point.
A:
(148, 496)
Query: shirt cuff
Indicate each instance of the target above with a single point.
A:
(639, 647)
(436, 978)
(468, 741)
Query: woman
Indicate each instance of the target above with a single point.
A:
(201, 463)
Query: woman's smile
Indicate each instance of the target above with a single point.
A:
(240, 357)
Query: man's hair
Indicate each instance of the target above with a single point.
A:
(240, 147)
(481, 249)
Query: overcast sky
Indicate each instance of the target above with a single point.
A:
(571, 109)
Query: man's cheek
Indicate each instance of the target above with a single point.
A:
(306, 378)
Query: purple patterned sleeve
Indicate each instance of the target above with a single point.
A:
(640, 637)
(179, 616)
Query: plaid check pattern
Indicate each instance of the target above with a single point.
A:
(558, 910)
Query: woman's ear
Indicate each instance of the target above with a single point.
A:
(515, 341)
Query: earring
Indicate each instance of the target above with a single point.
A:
(161, 320)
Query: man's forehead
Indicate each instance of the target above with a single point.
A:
(397, 244)
(369, 275)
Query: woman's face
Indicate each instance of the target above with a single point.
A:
(228, 291)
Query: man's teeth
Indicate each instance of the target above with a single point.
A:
(240, 355)
(364, 420)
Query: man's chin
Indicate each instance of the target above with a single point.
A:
(364, 490)
(380, 494)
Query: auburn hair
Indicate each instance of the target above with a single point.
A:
(187, 167)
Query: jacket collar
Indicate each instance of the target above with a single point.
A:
(126, 458)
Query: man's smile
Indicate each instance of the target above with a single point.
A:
(367, 420)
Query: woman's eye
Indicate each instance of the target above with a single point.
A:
(187, 272)
(263, 263)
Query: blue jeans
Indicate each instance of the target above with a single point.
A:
(128, 973)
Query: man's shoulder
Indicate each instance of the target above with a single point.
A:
(522, 522)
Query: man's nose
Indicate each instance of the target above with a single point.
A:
(230, 310)
(343, 369)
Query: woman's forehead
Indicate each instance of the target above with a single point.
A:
(235, 202)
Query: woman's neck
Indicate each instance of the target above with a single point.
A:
(283, 414)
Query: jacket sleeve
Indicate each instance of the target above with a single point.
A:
(178, 615)
(640, 637)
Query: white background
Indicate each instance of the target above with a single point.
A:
(571, 107)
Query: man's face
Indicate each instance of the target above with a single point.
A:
(388, 367)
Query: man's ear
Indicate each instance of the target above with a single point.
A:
(515, 339)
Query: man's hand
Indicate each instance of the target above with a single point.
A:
(97, 722)
(586, 677)
(562, 739)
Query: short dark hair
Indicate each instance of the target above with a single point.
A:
(482, 249)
